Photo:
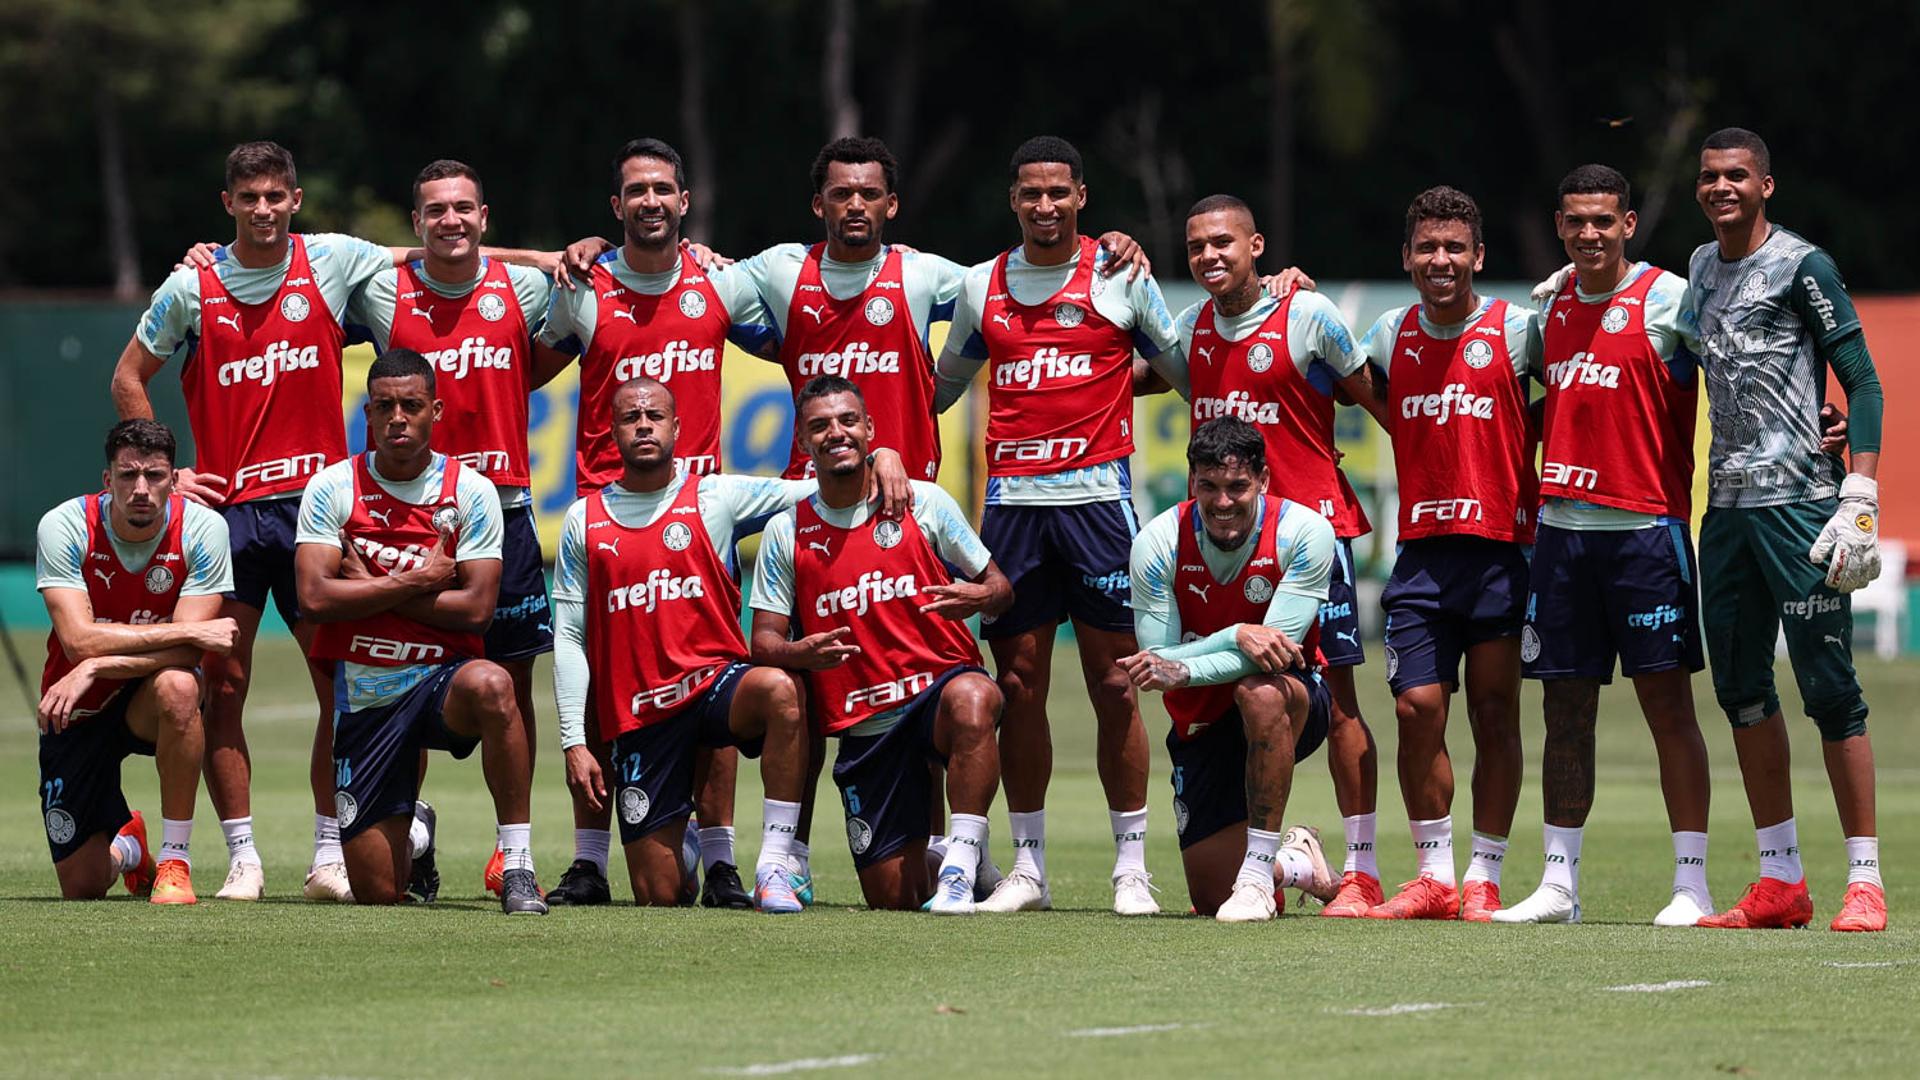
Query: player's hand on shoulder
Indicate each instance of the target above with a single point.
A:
(207, 489)
(818, 652)
(215, 635)
(1286, 281)
(199, 257)
(584, 776)
(890, 484)
(1124, 253)
(575, 264)
(958, 601)
(1272, 650)
(1148, 671)
(705, 257)
(1551, 287)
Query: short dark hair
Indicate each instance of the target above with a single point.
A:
(826, 386)
(1734, 138)
(1597, 180)
(1224, 440)
(400, 364)
(855, 150)
(1048, 148)
(653, 148)
(143, 434)
(1443, 203)
(447, 169)
(251, 159)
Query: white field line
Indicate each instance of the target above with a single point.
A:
(781, 1068)
(1405, 1008)
(1849, 965)
(1660, 988)
(1135, 1029)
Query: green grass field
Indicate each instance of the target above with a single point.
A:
(289, 988)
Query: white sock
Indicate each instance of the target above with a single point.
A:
(124, 853)
(417, 837)
(1690, 863)
(1563, 858)
(1029, 843)
(1780, 852)
(966, 844)
(593, 846)
(326, 841)
(1257, 865)
(716, 845)
(1489, 855)
(1129, 840)
(798, 855)
(1360, 835)
(239, 833)
(174, 836)
(1863, 859)
(516, 846)
(779, 821)
(1433, 846)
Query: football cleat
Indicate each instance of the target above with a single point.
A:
(1359, 893)
(1133, 893)
(1479, 900)
(1768, 904)
(494, 878)
(520, 893)
(1305, 839)
(583, 885)
(245, 881)
(1249, 903)
(173, 884)
(1548, 904)
(953, 893)
(1018, 891)
(722, 889)
(328, 883)
(1421, 898)
(1863, 911)
(139, 880)
(773, 892)
(423, 884)
(1685, 909)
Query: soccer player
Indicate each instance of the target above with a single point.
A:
(398, 565)
(1227, 588)
(648, 629)
(1786, 535)
(1060, 337)
(1613, 571)
(132, 579)
(867, 608)
(1452, 370)
(1229, 344)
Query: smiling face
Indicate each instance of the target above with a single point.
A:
(1442, 259)
(855, 203)
(1730, 188)
(1047, 200)
(1594, 228)
(1221, 249)
(262, 207)
(1228, 497)
(139, 483)
(835, 431)
(449, 218)
(650, 203)
(645, 425)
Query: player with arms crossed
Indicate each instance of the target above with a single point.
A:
(1060, 340)
(132, 578)
(866, 607)
(399, 564)
(1227, 593)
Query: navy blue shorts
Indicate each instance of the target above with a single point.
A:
(1596, 595)
(376, 751)
(885, 784)
(1064, 562)
(1210, 769)
(261, 534)
(653, 765)
(1446, 595)
(522, 623)
(80, 776)
(1340, 615)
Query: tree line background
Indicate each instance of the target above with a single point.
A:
(1326, 115)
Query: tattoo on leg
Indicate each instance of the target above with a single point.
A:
(1566, 765)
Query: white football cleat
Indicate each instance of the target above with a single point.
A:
(1305, 839)
(328, 884)
(1685, 909)
(1017, 892)
(952, 894)
(1133, 893)
(1249, 903)
(1548, 904)
(245, 881)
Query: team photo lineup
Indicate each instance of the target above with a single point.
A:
(1543, 453)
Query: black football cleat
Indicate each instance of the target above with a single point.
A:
(423, 885)
(583, 885)
(723, 889)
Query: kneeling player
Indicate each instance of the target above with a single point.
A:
(1225, 584)
(892, 668)
(398, 561)
(132, 579)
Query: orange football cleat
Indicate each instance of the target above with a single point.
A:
(173, 884)
(139, 879)
(1421, 898)
(496, 870)
(1359, 893)
(1768, 904)
(1863, 911)
(1478, 901)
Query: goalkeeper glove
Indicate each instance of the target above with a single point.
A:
(1849, 545)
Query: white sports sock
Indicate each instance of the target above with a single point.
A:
(418, 838)
(124, 853)
(1863, 860)
(1129, 840)
(1433, 846)
(1563, 858)
(174, 836)
(593, 846)
(326, 841)
(1690, 863)
(1489, 855)
(716, 845)
(1029, 843)
(798, 856)
(966, 844)
(1361, 829)
(516, 846)
(780, 820)
(239, 834)
(1780, 852)
(1257, 866)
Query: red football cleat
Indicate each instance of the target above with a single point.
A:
(1768, 904)
(173, 884)
(1863, 911)
(1478, 901)
(140, 879)
(1421, 898)
(496, 870)
(1359, 893)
